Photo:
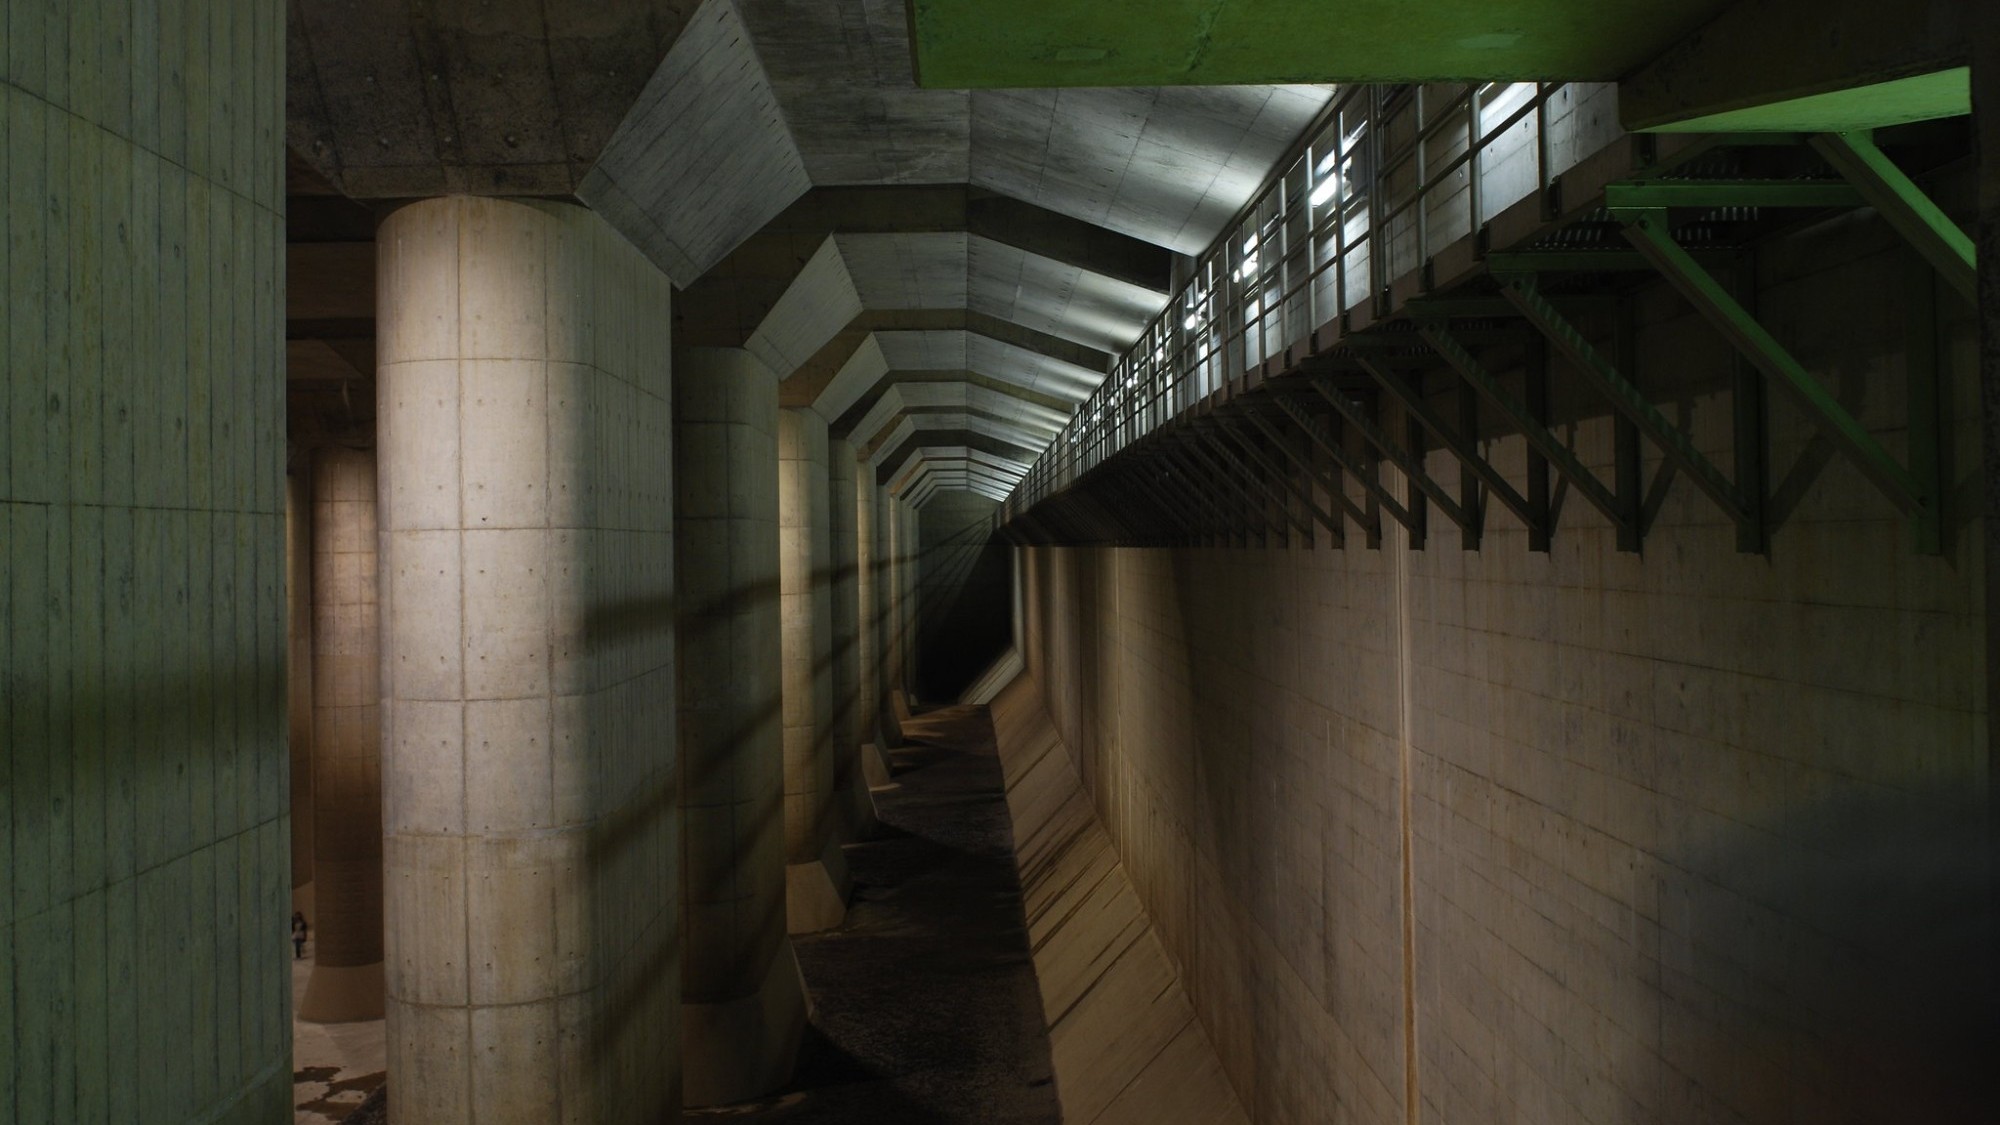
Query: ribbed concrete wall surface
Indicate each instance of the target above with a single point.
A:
(1126, 1045)
(144, 836)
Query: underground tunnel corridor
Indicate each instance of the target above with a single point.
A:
(1212, 563)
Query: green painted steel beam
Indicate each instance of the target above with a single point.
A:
(1626, 398)
(1398, 456)
(1278, 470)
(1730, 193)
(1338, 494)
(1369, 484)
(1648, 232)
(1538, 435)
(1904, 205)
(1038, 43)
(1229, 460)
(1897, 101)
(1460, 445)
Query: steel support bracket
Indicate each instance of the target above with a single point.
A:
(1405, 461)
(1729, 193)
(1332, 487)
(1904, 206)
(1627, 400)
(1382, 496)
(1648, 232)
(1249, 479)
(1332, 524)
(1539, 436)
(1460, 445)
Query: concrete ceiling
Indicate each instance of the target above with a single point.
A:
(1052, 43)
(405, 98)
(864, 236)
(1171, 166)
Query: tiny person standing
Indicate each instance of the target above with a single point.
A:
(299, 928)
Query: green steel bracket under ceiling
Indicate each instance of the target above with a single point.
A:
(1029, 43)
(1922, 97)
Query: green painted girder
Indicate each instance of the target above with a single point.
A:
(1278, 471)
(1233, 463)
(1731, 193)
(1037, 43)
(1538, 435)
(1904, 206)
(1333, 490)
(1870, 105)
(1627, 399)
(1403, 459)
(1648, 232)
(1460, 445)
(1324, 440)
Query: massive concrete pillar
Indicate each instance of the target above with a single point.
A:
(742, 1004)
(346, 981)
(298, 680)
(145, 870)
(868, 645)
(884, 515)
(853, 811)
(532, 817)
(816, 870)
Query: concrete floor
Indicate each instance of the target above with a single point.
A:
(926, 1010)
(334, 1065)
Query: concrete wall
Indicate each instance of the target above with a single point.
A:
(1587, 836)
(531, 781)
(144, 867)
(1123, 1039)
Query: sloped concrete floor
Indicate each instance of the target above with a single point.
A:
(926, 1010)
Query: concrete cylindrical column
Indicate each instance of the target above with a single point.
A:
(885, 615)
(854, 815)
(533, 815)
(816, 871)
(298, 685)
(868, 644)
(346, 981)
(743, 1009)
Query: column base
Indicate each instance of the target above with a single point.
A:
(875, 767)
(895, 712)
(816, 893)
(343, 994)
(858, 819)
(745, 1048)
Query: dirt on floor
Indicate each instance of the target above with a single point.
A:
(926, 1008)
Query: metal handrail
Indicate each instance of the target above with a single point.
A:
(1248, 294)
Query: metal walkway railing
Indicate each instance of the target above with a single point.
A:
(1390, 175)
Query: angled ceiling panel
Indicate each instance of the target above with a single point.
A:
(818, 304)
(704, 159)
(843, 74)
(1169, 165)
(907, 271)
(1061, 300)
(399, 98)
(856, 378)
